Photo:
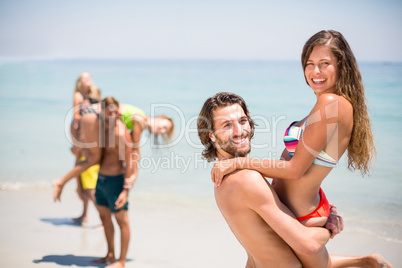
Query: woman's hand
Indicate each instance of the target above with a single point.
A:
(222, 168)
(128, 182)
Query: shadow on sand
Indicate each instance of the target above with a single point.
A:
(62, 221)
(69, 260)
(71, 222)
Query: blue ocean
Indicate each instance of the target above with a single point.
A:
(35, 113)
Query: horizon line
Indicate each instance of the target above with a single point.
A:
(16, 59)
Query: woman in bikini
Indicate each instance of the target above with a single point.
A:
(85, 94)
(338, 121)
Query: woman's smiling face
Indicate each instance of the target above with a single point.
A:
(321, 71)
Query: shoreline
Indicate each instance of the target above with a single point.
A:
(166, 232)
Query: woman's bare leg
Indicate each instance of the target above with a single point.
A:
(319, 260)
(89, 133)
(366, 261)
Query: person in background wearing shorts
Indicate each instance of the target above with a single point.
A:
(86, 189)
(114, 181)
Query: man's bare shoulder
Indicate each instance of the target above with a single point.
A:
(248, 187)
(244, 180)
(244, 174)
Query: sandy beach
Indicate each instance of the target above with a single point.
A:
(166, 232)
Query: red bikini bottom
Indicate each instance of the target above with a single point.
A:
(321, 211)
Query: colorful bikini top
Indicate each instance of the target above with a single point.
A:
(291, 139)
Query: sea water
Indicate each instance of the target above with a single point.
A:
(35, 113)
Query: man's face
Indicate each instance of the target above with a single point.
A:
(111, 114)
(232, 131)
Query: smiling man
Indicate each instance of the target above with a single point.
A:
(266, 228)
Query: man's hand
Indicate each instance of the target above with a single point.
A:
(335, 222)
(121, 200)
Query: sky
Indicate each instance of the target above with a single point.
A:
(195, 29)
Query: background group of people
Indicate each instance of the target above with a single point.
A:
(108, 168)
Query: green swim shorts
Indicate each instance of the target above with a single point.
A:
(108, 189)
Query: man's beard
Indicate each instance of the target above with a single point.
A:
(227, 146)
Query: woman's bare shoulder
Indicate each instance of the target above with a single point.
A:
(334, 105)
(331, 98)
